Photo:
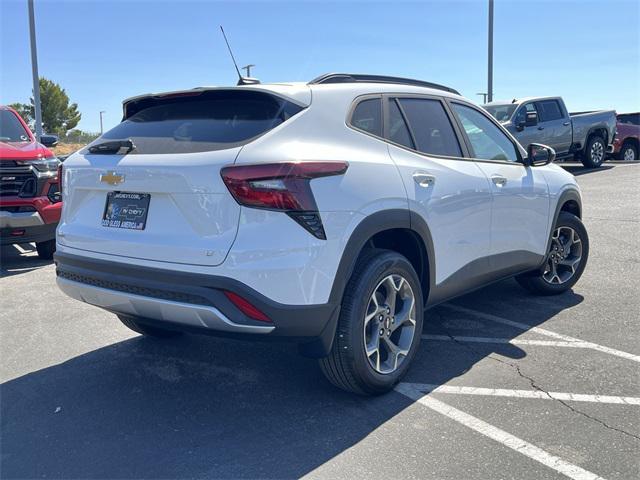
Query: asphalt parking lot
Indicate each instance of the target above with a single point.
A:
(506, 385)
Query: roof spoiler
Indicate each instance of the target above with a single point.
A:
(365, 78)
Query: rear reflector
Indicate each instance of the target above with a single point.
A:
(60, 179)
(282, 186)
(245, 307)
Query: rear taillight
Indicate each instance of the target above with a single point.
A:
(282, 186)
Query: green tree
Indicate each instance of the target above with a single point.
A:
(25, 111)
(58, 115)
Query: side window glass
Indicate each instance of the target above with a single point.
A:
(522, 113)
(398, 131)
(486, 139)
(549, 110)
(431, 127)
(629, 119)
(367, 116)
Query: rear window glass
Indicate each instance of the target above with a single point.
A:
(367, 116)
(431, 127)
(11, 130)
(212, 120)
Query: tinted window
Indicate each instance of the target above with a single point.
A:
(212, 120)
(11, 130)
(549, 110)
(487, 140)
(431, 127)
(630, 118)
(367, 116)
(398, 131)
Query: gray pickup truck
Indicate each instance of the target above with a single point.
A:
(587, 136)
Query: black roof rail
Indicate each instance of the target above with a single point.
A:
(365, 78)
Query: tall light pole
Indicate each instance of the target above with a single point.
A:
(484, 97)
(490, 54)
(34, 68)
(101, 112)
(247, 68)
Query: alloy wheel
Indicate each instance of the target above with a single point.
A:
(629, 154)
(390, 324)
(565, 256)
(597, 152)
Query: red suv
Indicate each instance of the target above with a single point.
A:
(29, 190)
(625, 145)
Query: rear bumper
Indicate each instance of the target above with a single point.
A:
(9, 219)
(28, 234)
(191, 302)
(189, 315)
(24, 220)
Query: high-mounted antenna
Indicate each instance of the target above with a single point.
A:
(241, 80)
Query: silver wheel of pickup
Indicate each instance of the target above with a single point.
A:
(390, 324)
(597, 152)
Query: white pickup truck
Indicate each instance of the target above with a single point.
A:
(587, 136)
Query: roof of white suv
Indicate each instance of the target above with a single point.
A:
(301, 92)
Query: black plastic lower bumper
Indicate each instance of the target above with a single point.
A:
(310, 325)
(37, 233)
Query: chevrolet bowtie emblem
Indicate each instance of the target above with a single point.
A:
(112, 178)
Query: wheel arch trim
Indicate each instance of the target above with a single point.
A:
(373, 224)
(568, 195)
(597, 130)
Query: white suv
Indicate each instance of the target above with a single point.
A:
(332, 213)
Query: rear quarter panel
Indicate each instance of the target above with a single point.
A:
(585, 123)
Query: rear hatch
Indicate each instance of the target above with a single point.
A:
(164, 200)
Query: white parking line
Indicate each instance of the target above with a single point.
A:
(513, 341)
(20, 249)
(543, 331)
(500, 436)
(502, 392)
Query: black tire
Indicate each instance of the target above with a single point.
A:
(590, 157)
(347, 365)
(46, 249)
(628, 147)
(535, 281)
(147, 330)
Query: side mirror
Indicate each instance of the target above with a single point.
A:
(538, 155)
(49, 140)
(531, 119)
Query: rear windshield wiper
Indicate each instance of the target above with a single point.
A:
(113, 147)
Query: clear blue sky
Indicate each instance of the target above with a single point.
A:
(104, 51)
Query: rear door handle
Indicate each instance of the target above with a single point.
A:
(540, 128)
(499, 180)
(424, 179)
(566, 124)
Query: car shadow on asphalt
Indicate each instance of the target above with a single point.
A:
(218, 408)
(17, 259)
(577, 170)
